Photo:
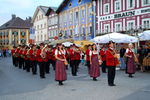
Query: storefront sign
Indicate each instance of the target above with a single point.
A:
(131, 13)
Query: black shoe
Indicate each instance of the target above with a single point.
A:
(34, 73)
(60, 83)
(130, 76)
(111, 84)
(94, 79)
(42, 77)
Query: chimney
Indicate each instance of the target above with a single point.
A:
(13, 16)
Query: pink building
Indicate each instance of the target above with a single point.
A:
(122, 15)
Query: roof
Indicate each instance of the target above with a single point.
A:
(51, 9)
(17, 23)
(64, 3)
(43, 9)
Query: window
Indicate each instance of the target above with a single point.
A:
(38, 27)
(71, 32)
(117, 5)
(130, 4)
(118, 26)
(49, 21)
(41, 37)
(83, 13)
(41, 26)
(106, 28)
(45, 37)
(90, 11)
(79, 1)
(146, 23)
(70, 4)
(83, 30)
(145, 2)
(130, 25)
(106, 8)
(90, 30)
(77, 15)
(45, 25)
(71, 16)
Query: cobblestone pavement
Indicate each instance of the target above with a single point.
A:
(16, 84)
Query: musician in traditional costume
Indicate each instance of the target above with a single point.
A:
(20, 57)
(130, 63)
(53, 59)
(17, 55)
(88, 57)
(60, 71)
(13, 56)
(103, 56)
(32, 54)
(95, 61)
(41, 54)
(73, 64)
(111, 63)
(49, 57)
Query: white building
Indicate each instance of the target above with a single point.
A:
(52, 23)
(40, 24)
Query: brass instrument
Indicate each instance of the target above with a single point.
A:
(28, 55)
(43, 52)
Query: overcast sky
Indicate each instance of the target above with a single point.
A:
(22, 8)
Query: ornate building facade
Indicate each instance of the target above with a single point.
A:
(77, 19)
(122, 15)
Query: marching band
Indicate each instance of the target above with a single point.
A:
(60, 57)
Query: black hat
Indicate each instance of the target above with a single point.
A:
(42, 44)
(111, 42)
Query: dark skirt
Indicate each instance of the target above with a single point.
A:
(131, 67)
(60, 71)
(95, 68)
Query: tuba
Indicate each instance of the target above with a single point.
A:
(43, 52)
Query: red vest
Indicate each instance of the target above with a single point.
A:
(110, 59)
(87, 55)
(103, 55)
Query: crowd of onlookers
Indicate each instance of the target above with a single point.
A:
(5, 52)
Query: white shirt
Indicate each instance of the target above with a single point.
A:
(92, 52)
(59, 52)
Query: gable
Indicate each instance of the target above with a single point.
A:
(73, 3)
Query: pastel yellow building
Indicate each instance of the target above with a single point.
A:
(15, 32)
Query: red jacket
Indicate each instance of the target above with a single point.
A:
(38, 55)
(72, 54)
(49, 55)
(13, 51)
(103, 55)
(77, 55)
(20, 52)
(32, 56)
(25, 54)
(53, 55)
(110, 59)
(87, 55)
(17, 52)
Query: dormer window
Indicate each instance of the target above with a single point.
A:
(79, 1)
(70, 4)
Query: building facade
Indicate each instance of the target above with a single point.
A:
(77, 18)
(15, 32)
(122, 15)
(53, 30)
(40, 21)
